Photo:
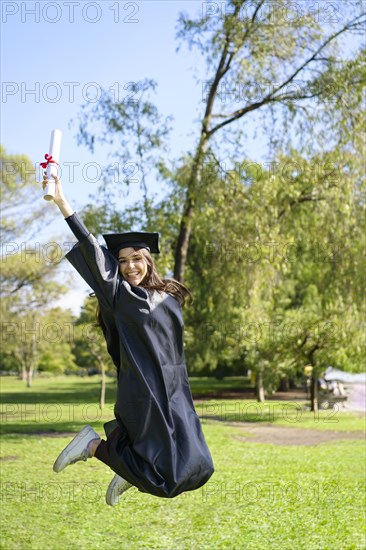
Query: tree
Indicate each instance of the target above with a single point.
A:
(269, 286)
(28, 270)
(26, 267)
(90, 347)
(38, 341)
(57, 338)
(18, 196)
(130, 123)
(245, 47)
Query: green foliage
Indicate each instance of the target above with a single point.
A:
(56, 329)
(28, 285)
(268, 263)
(17, 191)
(19, 195)
(134, 128)
(89, 345)
(286, 63)
(38, 341)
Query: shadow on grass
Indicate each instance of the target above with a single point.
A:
(64, 390)
(74, 389)
(88, 392)
(33, 418)
(59, 429)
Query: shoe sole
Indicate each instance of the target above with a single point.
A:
(63, 456)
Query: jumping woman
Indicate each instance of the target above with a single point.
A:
(155, 442)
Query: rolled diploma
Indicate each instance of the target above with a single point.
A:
(54, 151)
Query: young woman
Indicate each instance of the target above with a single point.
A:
(155, 442)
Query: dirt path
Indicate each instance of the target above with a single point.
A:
(262, 433)
(281, 435)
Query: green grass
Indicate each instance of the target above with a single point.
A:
(202, 386)
(260, 496)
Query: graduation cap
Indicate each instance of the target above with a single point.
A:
(117, 241)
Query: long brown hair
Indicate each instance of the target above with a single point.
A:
(152, 281)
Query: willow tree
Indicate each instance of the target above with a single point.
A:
(280, 287)
(262, 58)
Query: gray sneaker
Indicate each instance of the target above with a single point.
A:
(117, 486)
(76, 450)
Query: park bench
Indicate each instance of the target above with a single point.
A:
(328, 400)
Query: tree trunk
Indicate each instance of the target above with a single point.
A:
(314, 380)
(183, 242)
(259, 388)
(314, 392)
(284, 384)
(102, 387)
(29, 377)
(23, 374)
(181, 252)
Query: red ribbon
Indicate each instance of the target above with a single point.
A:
(49, 160)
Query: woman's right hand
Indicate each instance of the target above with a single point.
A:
(59, 195)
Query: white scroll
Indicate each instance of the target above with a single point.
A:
(51, 163)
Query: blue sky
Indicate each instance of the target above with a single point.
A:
(50, 69)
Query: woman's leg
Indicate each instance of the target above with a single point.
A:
(118, 485)
(102, 449)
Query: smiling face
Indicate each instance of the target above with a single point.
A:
(132, 265)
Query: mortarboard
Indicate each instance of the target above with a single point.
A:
(117, 241)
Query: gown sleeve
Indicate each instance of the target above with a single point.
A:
(96, 265)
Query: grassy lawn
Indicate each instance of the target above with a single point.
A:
(261, 496)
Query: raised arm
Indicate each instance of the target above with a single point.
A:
(97, 266)
(72, 219)
(60, 198)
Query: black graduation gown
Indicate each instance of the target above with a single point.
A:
(161, 450)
